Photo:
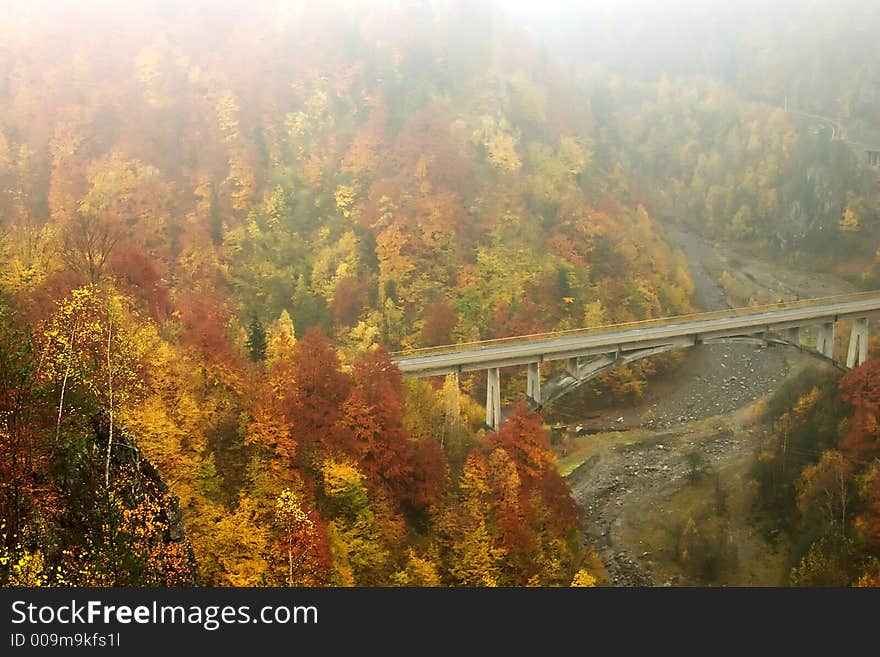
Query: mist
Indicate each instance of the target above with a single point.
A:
(305, 294)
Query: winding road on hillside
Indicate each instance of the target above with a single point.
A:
(839, 131)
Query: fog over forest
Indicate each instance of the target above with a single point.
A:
(225, 226)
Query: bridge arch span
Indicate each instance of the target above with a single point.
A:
(588, 353)
(562, 384)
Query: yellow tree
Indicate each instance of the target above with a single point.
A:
(583, 578)
(72, 331)
(475, 560)
(171, 420)
(120, 379)
(419, 571)
(279, 339)
(95, 338)
(297, 530)
(824, 488)
(238, 552)
(123, 193)
(359, 530)
(849, 221)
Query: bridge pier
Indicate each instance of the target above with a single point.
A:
(533, 382)
(825, 343)
(493, 397)
(589, 354)
(858, 343)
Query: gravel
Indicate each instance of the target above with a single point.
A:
(713, 381)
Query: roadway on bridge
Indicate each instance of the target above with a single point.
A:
(474, 356)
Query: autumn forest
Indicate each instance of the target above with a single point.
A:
(218, 224)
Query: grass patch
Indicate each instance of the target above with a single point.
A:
(573, 451)
(703, 533)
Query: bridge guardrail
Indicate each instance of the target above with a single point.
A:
(644, 323)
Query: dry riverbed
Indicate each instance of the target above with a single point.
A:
(642, 473)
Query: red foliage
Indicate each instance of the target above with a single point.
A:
(424, 142)
(501, 324)
(526, 442)
(382, 193)
(382, 383)
(380, 446)
(861, 388)
(25, 436)
(311, 553)
(563, 511)
(374, 423)
(376, 438)
(24, 465)
(40, 303)
(349, 299)
(204, 321)
(440, 320)
(145, 279)
(528, 320)
(313, 405)
(518, 537)
(564, 247)
(861, 441)
(524, 320)
(429, 474)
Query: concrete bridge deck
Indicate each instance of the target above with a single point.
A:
(435, 361)
(621, 343)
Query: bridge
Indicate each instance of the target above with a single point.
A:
(591, 352)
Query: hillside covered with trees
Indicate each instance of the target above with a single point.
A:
(818, 477)
(218, 220)
(205, 262)
(707, 105)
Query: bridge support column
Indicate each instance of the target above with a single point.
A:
(858, 343)
(825, 343)
(493, 397)
(571, 366)
(793, 335)
(533, 383)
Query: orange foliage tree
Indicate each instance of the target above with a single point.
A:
(861, 388)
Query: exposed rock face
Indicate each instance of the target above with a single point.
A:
(125, 455)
